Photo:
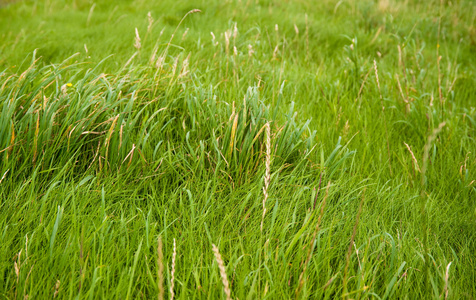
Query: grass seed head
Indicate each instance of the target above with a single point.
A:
(267, 176)
(137, 43)
(235, 32)
(172, 273)
(250, 50)
(150, 20)
(221, 267)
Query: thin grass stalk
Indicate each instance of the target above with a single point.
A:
(438, 57)
(384, 118)
(405, 99)
(401, 60)
(423, 196)
(311, 245)
(162, 57)
(90, 15)
(318, 190)
(362, 87)
(349, 250)
(307, 38)
(415, 161)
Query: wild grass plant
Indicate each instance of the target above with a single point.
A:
(189, 152)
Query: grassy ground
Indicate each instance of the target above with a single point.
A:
(327, 149)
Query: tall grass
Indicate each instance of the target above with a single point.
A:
(135, 175)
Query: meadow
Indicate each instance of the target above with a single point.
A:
(231, 149)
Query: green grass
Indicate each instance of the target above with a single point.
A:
(105, 147)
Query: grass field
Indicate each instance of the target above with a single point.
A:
(238, 149)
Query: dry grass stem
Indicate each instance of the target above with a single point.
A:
(447, 277)
(407, 103)
(221, 266)
(17, 265)
(57, 286)
(413, 157)
(227, 41)
(130, 60)
(4, 175)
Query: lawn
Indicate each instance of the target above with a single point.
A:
(238, 149)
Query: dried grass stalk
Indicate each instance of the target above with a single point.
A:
(221, 266)
(267, 176)
(137, 43)
(413, 157)
(172, 275)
